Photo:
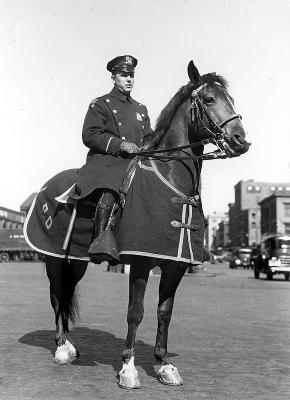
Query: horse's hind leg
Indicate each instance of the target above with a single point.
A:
(171, 275)
(63, 276)
(139, 274)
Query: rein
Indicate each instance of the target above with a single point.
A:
(216, 131)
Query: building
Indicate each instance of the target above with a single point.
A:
(213, 221)
(244, 213)
(10, 219)
(275, 214)
(222, 234)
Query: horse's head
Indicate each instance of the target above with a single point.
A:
(213, 115)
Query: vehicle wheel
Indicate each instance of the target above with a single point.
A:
(269, 276)
(287, 276)
(256, 274)
(4, 257)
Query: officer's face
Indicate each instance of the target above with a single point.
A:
(124, 81)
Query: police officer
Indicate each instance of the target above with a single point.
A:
(115, 126)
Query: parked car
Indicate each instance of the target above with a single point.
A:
(241, 257)
(274, 257)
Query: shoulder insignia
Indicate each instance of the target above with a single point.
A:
(93, 102)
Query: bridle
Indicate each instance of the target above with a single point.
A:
(216, 131)
(217, 137)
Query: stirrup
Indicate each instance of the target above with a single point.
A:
(104, 248)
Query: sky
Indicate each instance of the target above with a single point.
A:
(53, 63)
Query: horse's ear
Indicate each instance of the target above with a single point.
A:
(193, 73)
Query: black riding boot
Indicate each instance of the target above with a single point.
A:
(103, 247)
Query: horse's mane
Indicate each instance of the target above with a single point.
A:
(165, 118)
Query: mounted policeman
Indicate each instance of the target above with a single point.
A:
(115, 127)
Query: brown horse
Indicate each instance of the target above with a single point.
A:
(201, 112)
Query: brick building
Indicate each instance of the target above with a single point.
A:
(275, 214)
(213, 221)
(245, 213)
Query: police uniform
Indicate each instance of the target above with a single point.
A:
(112, 121)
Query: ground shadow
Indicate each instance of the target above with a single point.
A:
(96, 347)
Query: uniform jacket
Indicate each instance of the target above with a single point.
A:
(110, 119)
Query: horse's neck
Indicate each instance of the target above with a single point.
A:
(184, 175)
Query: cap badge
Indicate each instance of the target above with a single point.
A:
(129, 60)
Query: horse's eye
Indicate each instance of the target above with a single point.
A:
(209, 100)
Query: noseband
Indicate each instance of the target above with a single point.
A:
(217, 134)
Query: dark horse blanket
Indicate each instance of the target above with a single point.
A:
(151, 224)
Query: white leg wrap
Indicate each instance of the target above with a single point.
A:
(71, 348)
(129, 376)
(62, 355)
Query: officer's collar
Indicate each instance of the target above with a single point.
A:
(121, 96)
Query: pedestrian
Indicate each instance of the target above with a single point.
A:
(115, 127)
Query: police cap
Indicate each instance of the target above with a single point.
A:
(122, 64)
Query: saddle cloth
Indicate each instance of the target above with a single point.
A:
(150, 224)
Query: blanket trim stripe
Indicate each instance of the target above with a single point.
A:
(164, 180)
(188, 233)
(181, 237)
(153, 255)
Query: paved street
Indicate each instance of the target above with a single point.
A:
(229, 337)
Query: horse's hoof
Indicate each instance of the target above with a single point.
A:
(62, 355)
(169, 375)
(71, 349)
(128, 382)
(128, 376)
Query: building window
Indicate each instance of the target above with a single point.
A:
(272, 188)
(251, 188)
(280, 188)
(287, 188)
(287, 210)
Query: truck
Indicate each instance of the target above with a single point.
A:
(274, 257)
(14, 247)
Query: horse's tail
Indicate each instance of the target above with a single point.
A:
(70, 310)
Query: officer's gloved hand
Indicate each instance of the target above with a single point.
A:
(127, 148)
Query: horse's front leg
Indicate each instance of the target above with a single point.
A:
(171, 275)
(137, 286)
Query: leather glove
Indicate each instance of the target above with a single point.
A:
(128, 148)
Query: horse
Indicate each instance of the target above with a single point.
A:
(201, 112)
